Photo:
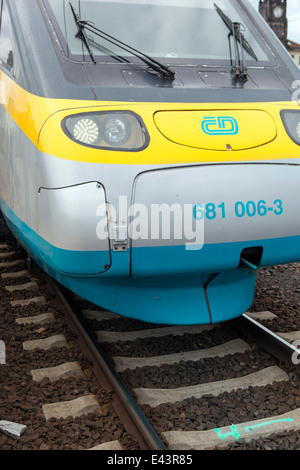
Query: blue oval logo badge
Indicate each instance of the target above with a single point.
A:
(224, 125)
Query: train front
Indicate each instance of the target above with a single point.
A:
(164, 188)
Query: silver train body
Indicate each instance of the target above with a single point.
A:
(152, 190)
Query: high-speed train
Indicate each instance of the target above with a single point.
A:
(149, 151)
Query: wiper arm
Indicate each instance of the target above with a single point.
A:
(240, 65)
(81, 33)
(163, 70)
(240, 72)
(90, 42)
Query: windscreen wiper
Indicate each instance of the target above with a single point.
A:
(82, 34)
(240, 68)
(163, 70)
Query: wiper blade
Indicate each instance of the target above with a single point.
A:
(82, 34)
(163, 70)
(90, 41)
(240, 72)
(107, 51)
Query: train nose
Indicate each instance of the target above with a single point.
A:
(203, 218)
(217, 129)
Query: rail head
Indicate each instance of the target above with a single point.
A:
(125, 406)
(270, 341)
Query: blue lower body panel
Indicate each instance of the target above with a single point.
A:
(174, 300)
(187, 298)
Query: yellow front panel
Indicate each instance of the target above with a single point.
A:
(40, 119)
(217, 129)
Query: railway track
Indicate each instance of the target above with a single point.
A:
(206, 387)
(198, 387)
(50, 395)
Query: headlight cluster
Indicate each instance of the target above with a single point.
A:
(291, 121)
(110, 130)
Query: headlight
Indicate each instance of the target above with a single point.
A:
(291, 121)
(110, 130)
(86, 131)
(116, 130)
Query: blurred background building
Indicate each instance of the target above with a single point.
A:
(275, 14)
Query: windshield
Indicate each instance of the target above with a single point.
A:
(174, 31)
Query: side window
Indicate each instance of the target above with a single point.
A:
(6, 46)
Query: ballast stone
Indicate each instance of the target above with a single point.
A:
(11, 429)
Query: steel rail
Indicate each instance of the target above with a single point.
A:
(124, 404)
(268, 340)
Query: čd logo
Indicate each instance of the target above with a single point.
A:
(220, 125)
